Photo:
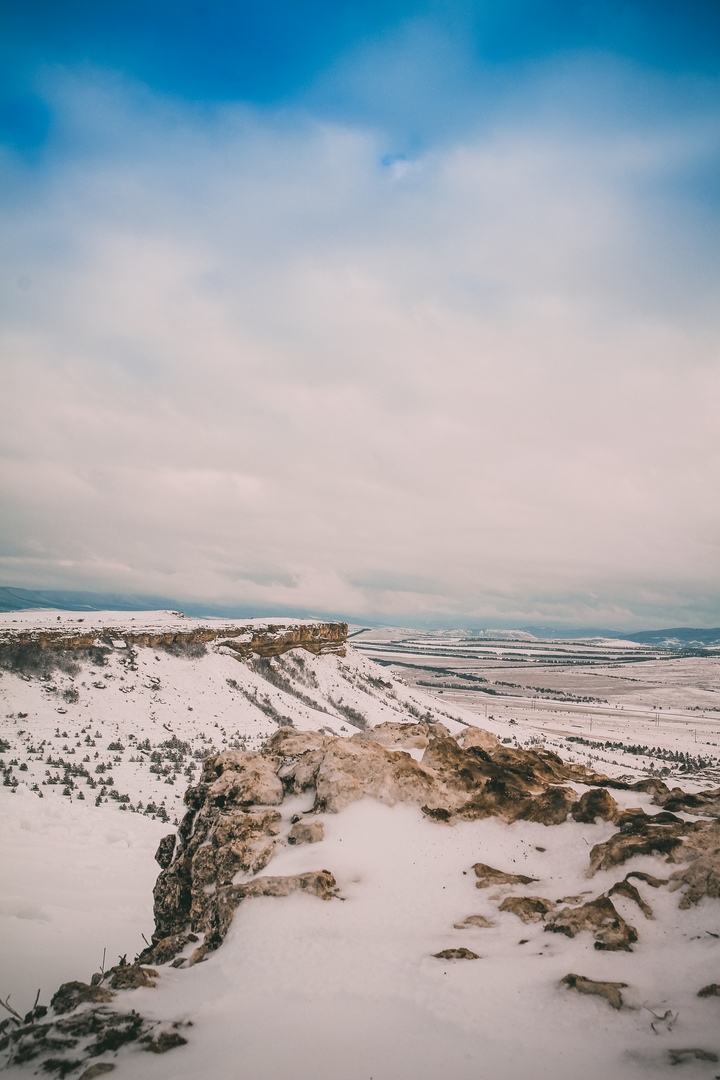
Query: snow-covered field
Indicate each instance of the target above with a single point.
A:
(590, 692)
(96, 759)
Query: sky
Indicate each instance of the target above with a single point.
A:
(404, 311)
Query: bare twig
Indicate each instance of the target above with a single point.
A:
(6, 1005)
(668, 1018)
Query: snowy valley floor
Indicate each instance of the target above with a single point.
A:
(349, 987)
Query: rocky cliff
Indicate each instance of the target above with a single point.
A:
(246, 639)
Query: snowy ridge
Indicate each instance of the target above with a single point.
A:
(129, 724)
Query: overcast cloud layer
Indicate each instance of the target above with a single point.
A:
(292, 355)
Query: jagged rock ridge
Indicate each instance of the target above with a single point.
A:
(232, 825)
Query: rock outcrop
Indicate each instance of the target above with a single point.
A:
(233, 825)
(245, 640)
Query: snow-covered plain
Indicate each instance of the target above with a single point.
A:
(592, 691)
(302, 988)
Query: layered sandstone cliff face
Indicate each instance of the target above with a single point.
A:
(245, 639)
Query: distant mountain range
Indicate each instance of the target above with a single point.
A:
(15, 599)
(677, 637)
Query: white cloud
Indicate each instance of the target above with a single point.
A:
(256, 364)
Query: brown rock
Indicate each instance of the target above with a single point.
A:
(628, 890)
(72, 994)
(320, 883)
(306, 832)
(402, 736)
(218, 842)
(165, 949)
(166, 850)
(474, 920)
(645, 840)
(456, 954)
(608, 990)
(634, 819)
(239, 778)
(599, 917)
(549, 808)
(351, 770)
(640, 875)
(231, 825)
(593, 804)
(701, 802)
(528, 908)
(288, 743)
(270, 640)
(488, 875)
(476, 736)
(131, 976)
(711, 990)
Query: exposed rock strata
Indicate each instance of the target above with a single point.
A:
(245, 640)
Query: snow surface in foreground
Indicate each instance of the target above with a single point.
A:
(309, 990)
(77, 880)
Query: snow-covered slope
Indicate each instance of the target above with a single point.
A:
(417, 964)
(98, 742)
(112, 720)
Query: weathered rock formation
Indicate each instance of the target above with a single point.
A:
(18, 647)
(528, 908)
(598, 916)
(232, 826)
